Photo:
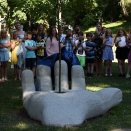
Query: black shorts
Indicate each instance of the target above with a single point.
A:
(90, 61)
(30, 62)
(122, 53)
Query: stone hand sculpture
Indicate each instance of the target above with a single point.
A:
(64, 109)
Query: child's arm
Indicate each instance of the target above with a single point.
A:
(112, 44)
(1, 46)
(116, 42)
(102, 36)
(77, 45)
(12, 45)
(72, 42)
(84, 48)
(41, 48)
(63, 41)
(104, 42)
(6, 45)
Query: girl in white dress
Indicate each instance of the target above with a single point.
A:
(22, 35)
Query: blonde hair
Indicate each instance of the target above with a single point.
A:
(108, 30)
(3, 31)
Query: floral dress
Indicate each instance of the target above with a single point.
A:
(99, 47)
(128, 44)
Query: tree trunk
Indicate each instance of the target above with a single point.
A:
(113, 11)
(124, 9)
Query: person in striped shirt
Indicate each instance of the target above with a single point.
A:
(90, 54)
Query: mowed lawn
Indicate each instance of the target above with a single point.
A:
(13, 116)
(114, 26)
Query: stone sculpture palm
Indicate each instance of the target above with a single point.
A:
(70, 108)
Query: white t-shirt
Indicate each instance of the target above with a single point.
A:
(80, 51)
(122, 42)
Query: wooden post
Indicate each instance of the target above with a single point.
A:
(59, 3)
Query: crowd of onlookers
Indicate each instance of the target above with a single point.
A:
(28, 48)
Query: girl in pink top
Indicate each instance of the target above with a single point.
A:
(52, 43)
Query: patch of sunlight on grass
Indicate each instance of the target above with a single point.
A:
(98, 87)
(113, 24)
(21, 126)
(93, 88)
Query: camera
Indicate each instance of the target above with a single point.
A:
(68, 37)
(76, 30)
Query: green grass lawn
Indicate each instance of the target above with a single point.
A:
(114, 26)
(13, 116)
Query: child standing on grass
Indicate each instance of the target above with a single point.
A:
(79, 45)
(41, 48)
(69, 41)
(129, 55)
(4, 53)
(121, 51)
(108, 43)
(30, 52)
(90, 54)
(14, 59)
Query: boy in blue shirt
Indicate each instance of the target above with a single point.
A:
(30, 52)
(90, 54)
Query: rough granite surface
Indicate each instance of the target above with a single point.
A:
(71, 108)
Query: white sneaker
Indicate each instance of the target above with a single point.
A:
(3, 78)
(127, 76)
(106, 75)
(111, 75)
(6, 79)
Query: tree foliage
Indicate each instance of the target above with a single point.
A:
(74, 12)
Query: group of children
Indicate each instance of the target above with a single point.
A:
(95, 49)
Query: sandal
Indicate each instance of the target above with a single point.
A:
(1, 80)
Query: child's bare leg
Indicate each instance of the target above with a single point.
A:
(2, 69)
(15, 71)
(100, 66)
(120, 66)
(96, 65)
(110, 65)
(123, 66)
(92, 67)
(88, 67)
(129, 68)
(19, 73)
(5, 68)
(106, 66)
(33, 69)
